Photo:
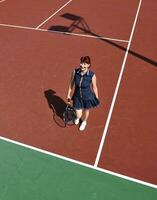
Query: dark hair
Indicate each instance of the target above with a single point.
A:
(85, 59)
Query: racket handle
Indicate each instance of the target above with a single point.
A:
(69, 101)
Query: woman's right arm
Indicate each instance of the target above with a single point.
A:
(71, 84)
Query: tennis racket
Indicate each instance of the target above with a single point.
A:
(69, 115)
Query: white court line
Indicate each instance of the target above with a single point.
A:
(16, 26)
(116, 89)
(64, 33)
(53, 14)
(79, 163)
(91, 36)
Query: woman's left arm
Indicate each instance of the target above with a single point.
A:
(94, 85)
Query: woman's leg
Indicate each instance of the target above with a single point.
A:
(85, 115)
(79, 113)
(84, 120)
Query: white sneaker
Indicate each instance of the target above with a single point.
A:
(83, 126)
(77, 120)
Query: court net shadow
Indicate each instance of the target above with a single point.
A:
(79, 23)
(57, 105)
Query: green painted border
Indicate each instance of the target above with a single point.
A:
(26, 174)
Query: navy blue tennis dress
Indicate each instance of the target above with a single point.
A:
(84, 97)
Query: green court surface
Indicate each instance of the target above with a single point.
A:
(26, 174)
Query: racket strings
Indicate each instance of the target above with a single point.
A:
(69, 115)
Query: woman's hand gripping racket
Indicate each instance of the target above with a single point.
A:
(69, 115)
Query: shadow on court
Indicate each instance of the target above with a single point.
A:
(78, 22)
(57, 105)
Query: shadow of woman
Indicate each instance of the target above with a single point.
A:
(57, 105)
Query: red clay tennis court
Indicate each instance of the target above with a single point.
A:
(42, 42)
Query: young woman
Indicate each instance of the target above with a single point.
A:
(85, 95)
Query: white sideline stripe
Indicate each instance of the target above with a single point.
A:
(65, 33)
(90, 36)
(16, 26)
(53, 14)
(79, 163)
(116, 90)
